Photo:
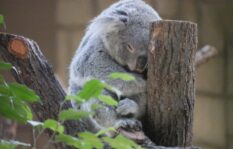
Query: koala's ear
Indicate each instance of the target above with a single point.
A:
(114, 22)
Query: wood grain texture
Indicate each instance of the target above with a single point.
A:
(170, 83)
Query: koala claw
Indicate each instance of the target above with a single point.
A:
(127, 108)
(129, 124)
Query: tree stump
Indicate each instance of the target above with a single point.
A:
(170, 84)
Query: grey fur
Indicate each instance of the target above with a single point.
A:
(103, 50)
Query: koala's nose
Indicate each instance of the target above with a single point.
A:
(131, 67)
(141, 63)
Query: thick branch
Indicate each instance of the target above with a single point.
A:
(32, 69)
(205, 54)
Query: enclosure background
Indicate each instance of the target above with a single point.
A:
(58, 25)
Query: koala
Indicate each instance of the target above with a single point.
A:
(115, 41)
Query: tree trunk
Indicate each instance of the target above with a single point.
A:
(170, 83)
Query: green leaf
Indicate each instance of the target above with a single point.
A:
(23, 93)
(1, 78)
(54, 125)
(69, 140)
(1, 19)
(12, 144)
(75, 98)
(7, 145)
(122, 76)
(35, 123)
(121, 142)
(108, 100)
(96, 106)
(3, 65)
(5, 91)
(114, 144)
(15, 109)
(127, 141)
(92, 88)
(103, 131)
(72, 114)
(91, 139)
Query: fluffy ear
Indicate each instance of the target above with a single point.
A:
(113, 22)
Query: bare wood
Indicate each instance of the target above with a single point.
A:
(205, 54)
(170, 84)
(18, 47)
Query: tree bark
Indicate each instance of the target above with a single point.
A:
(170, 84)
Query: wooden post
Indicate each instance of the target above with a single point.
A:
(170, 84)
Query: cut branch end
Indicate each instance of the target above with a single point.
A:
(18, 47)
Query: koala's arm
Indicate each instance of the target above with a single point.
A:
(129, 88)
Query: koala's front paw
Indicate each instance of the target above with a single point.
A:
(129, 124)
(132, 129)
(127, 108)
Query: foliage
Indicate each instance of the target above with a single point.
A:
(14, 100)
(122, 76)
(12, 144)
(1, 20)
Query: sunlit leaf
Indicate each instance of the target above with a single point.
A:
(108, 100)
(15, 109)
(75, 98)
(35, 123)
(54, 125)
(7, 145)
(96, 106)
(103, 131)
(69, 140)
(122, 76)
(72, 114)
(13, 144)
(23, 93)
(18, 143)
(127, 141)
(5, 91)
(88, 137)
(121, 142)
(92, 88)
(4, 65)
(1, 19)
(1, 78)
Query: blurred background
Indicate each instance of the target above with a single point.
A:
(58, 25)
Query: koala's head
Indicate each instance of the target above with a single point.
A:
(124, 28)
(133, 52)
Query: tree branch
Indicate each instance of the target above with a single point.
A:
(32, 69)
(205, 54)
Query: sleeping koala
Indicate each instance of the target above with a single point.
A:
(115, 41)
